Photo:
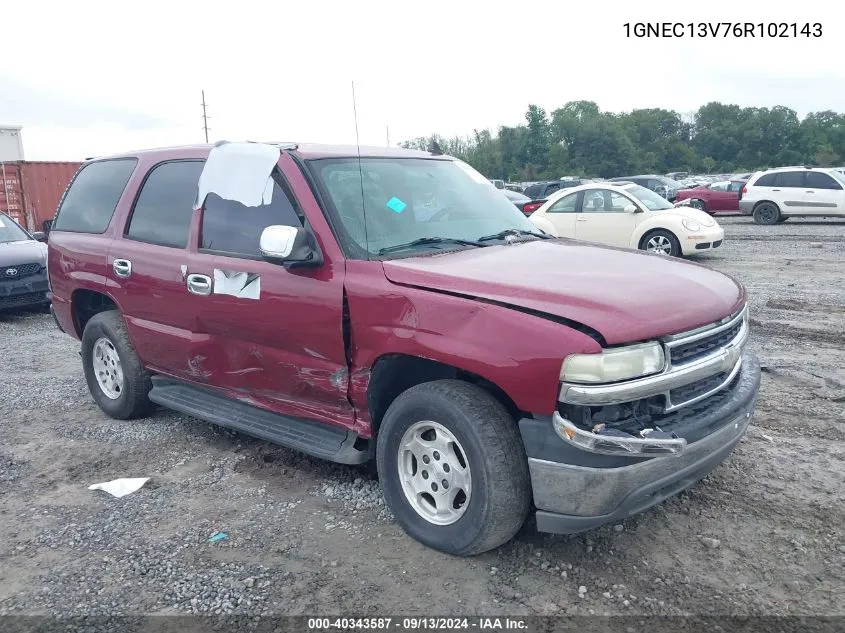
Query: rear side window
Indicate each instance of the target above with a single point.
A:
(818, 180)
(231, 228)
(89, 203)
(766, 180)
(532, 191)
(789, 179)
(163, 211)
(567, 204)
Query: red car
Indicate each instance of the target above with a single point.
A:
(393, 306)
(716, 197)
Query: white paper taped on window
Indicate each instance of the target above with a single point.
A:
(240, 172)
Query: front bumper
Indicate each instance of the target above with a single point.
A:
(702, 241)
(27, 291)
(577, 490)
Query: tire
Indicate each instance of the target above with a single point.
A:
(499, 485)
(782, 219)
(106, 332)
(662, 238)
(695, 203)
(766, 213)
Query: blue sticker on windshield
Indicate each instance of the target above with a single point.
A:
(395, 204)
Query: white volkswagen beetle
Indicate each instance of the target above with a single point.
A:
(630, 216)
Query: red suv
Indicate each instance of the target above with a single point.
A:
(393, 306)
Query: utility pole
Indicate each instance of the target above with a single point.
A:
(204, 117)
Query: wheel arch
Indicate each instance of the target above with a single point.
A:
(767, 201)
(85, 303)
(394, 373)
(644, 229)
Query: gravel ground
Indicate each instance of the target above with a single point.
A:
(763, 535)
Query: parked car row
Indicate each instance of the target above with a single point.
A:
(392, 307)
(775, 194)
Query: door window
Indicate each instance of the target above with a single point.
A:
(163, 210)
(818, 180)
(230, 228)
(567, 204)
(789, 179)
(604, 201)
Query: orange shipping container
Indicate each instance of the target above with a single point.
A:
(30, 191)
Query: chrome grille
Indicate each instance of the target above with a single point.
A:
(696, 349)
(23, 270)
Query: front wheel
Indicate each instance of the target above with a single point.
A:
(662, 242)
(453, 468)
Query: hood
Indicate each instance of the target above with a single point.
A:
(28, 252)
(686, 211)
(626, 296)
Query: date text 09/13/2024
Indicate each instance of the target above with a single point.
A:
(435, 624)
(723, 29)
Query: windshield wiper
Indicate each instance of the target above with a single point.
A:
(503, 234)
(428, 240)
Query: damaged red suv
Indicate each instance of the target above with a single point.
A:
(395, 307)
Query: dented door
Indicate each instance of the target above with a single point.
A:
(275, 336)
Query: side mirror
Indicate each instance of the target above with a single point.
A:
(39, 236)
(46, 225)
(631, 208)
(289, 245)
(545, 225)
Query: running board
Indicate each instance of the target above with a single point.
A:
(313, 438)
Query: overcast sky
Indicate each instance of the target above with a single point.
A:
(92, 78)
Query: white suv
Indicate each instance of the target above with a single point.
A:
(777, 194)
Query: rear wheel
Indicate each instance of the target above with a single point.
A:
(782, 219)
(116, 379)
(662, 242)
(452, 467)
(766, 213)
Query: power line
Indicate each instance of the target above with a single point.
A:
(205, 117)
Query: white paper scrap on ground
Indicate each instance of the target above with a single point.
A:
(121, 487)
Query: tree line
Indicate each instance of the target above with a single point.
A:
(579, 139)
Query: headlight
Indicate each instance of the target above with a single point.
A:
(691, 224)
(613, 365)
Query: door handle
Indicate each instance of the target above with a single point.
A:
(199, 285)
(809, 191)
(122, 267)
(580, 219)
(775, 189)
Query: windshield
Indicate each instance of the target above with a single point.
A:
(651, 200)
(392, 201)
(10, 231)
(838, 175)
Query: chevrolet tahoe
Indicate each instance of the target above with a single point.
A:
(391, 307)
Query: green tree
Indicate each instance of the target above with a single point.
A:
(580, 139)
